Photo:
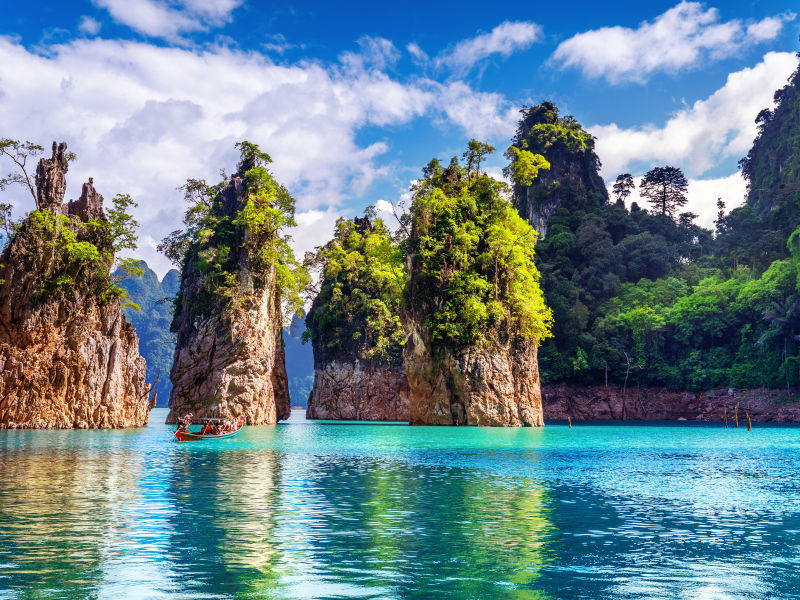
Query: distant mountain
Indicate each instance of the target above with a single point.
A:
(299, 362)
(157, 344)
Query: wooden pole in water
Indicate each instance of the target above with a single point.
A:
(569, 421)
(749, 425)
(736, 415)
(725, 414)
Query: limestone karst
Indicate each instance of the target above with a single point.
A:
(68, 357)
(229, 355)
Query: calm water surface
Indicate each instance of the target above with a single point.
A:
(310, 510)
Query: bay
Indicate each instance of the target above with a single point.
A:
(344, 510)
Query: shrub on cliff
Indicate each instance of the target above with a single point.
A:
(70, 253)
(356, 312)
(214, 236)
(472, 278)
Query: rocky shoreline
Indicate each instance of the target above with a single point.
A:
(599, 403)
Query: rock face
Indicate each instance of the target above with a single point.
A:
(359, 390)
(67, 358)
(598, 402)
(498, 387)
(229, 362)
(573, 178)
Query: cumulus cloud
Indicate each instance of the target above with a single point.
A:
(696, 138)
(504, 39)
(159, 19)
(680, 38)
(89, 26)
(143, 118)
(485, 115)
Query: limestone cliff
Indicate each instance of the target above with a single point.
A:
(229, 358)
(573, 178)
(359, 390)
(68, 357)
(473, 312)
(354, 325)
(598, 402)
(472, 386)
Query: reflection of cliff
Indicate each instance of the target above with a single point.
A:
(223, 540)
(422, 530)
(66, 516)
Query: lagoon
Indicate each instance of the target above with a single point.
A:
(342, 510)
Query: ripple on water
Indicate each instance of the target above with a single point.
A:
(308, 510)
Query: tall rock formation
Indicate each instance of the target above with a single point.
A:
(573, 178)
(474, 311)
(497, 386)
(229, 356)
(68, 357)
(354, 325)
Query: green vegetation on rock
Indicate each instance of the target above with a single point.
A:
(472, 278)
(215, 232)
(356, 312)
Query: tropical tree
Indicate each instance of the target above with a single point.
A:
(623, 187)
(665, 188)
(474, 155)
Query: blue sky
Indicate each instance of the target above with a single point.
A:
(352, 100)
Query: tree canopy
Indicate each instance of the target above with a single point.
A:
(214, 235)
(472, 279)
(356, 308)
(665, 188)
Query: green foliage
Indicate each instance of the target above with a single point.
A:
(665, 188)
(74, 256)
(213, 237)
(356, 313)
(525, 166)
(472, 279)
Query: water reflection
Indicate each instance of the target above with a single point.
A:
(315, 511)
(64, 517)
(221, 539)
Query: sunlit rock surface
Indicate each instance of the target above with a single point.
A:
(71, 361)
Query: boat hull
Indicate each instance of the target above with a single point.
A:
(185, 436)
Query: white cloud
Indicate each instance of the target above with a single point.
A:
(159, 19)
(143, 118)
(504, 39)
(417, 52)
(483, 115)
(680, 38)
(702, 196)
(89, 26)
(698, 137)
(385, 207)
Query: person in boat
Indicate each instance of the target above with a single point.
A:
(185, 422)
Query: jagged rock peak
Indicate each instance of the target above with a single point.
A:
(229, 362)
(68, 357)
(88, 206)
(51, 180)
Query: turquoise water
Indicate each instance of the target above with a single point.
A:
(309, 510)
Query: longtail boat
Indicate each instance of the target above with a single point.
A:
(182, 434)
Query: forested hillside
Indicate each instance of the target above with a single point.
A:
(151, 321)
(648, 296)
